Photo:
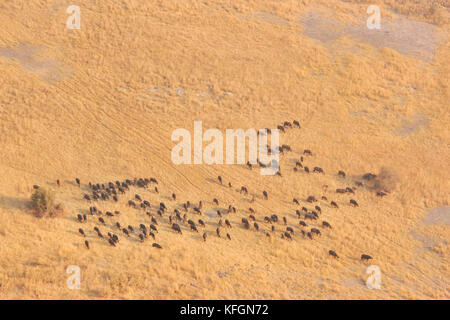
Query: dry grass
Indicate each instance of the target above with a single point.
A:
(104, 121)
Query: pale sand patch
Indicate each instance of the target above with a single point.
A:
(28, 55)
(437, 216)
(409, 37)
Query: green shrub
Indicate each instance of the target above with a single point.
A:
(43, 204)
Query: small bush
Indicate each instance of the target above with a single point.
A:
(387, 180)
(43, 204)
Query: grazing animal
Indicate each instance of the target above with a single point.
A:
(204, 236)
(318, 209)
(307, 151)
(86, 243)
(58, 183)
(341, 173)
(274, 218)
(218, 232)
(354, 203)
(220, 179)
(316, 231)
(244, 190)
(303, 223)
(193, 228)
(333, 254)
(369, 176)
(124, 230)
(256, 226)
(326, 224)
(228, 236)
(309, 235)
(81, 232)
(174, 196)
(310, 216)
(284, 220)
(228, 224)
(287, 235)
(295, 201)
(137, 197)
(86, 197)
(296, 123)
(306, 169)
(141, 237)
(334, 204)
(265, 195)
(78, 182)
(365, 257)
(176, 228)
(101, 220)
(153, 228)
(381, 194)
(131, 204)
(200, 222)
(155, 245)
(340, 191)
(318, 170)
(311, 199)
(79, 218)
(289, 229)
(216, 201)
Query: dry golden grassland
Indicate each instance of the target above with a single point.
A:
(100, 104)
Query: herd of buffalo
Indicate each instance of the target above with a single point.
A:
(180, 217)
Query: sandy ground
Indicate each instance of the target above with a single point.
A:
(101, 103)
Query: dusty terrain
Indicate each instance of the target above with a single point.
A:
(100, 104)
